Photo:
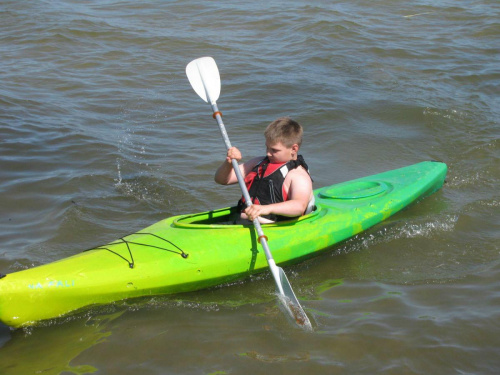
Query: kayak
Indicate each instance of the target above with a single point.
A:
(191, 252)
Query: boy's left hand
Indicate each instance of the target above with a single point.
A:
(256, 210)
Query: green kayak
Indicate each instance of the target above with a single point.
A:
(190, 252)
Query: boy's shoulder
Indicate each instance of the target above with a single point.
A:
(298, 174)
(299, 171)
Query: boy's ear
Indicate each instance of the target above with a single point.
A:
(295, 147)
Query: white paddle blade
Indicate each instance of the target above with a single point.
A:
(291, 303)
(204, 77)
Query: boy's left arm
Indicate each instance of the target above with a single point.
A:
(299, 195)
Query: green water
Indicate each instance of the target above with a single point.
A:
(101, 135)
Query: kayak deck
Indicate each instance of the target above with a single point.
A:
(190, 252)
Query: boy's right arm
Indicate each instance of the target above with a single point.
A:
(225, 173)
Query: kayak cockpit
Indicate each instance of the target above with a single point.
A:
(225, 218)
(222, 217)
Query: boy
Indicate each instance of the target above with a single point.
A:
(279, 184)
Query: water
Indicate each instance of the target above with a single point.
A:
(101, 135)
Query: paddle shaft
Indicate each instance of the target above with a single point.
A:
(248, 201)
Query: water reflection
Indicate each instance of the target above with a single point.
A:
(50, 349)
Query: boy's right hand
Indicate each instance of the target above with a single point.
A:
(233, 153)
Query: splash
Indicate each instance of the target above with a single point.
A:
(296, 312)
(118, 180)
(428, 229)
(407, 230)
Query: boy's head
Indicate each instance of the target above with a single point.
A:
(284, 130)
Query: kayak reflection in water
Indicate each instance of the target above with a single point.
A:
(279, 183)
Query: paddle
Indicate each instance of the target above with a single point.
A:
(203, 75)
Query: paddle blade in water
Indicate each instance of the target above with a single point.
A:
(291, 304)
(204, 77)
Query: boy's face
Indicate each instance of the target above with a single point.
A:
(279, 153)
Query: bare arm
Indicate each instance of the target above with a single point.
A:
(225, 174)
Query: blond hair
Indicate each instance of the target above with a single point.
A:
(284, 130)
